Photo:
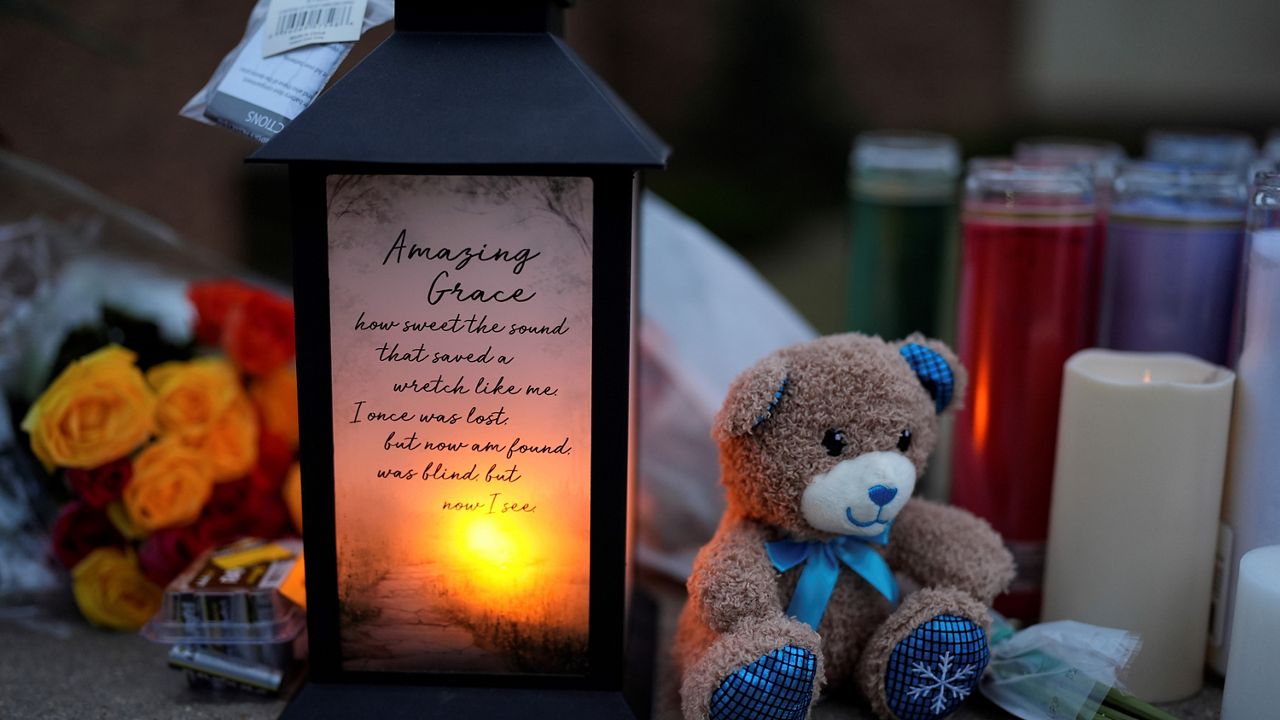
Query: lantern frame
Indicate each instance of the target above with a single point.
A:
(466, 75)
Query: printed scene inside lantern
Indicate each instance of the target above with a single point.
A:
(460, 330)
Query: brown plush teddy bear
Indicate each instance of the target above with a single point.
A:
(821, 444)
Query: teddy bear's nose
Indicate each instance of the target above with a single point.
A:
(881, 495)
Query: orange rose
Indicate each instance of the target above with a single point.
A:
(276, 396)
(120, 519)
(112, 592)
(98, 410)
(231, 443)
(258, 335)
(214, 300)
(191, 395)
(292, 493)
(171, 483)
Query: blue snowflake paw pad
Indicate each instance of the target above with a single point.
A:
(935, 668)
(778, 686)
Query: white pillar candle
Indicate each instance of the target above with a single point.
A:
(1255, 653)
(1251, 500)
(1142, 443)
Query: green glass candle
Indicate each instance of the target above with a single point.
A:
(903, 233)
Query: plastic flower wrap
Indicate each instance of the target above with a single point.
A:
(1063, 669)
(169, 459)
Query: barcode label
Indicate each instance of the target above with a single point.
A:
(294, 23)
(297, 20)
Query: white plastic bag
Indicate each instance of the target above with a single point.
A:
(705, 316)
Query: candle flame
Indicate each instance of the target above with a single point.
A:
(1146, 376)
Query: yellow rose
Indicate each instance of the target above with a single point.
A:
(292, 493)
(230, 445)
(112, 592)
(170, 485)
(276, 396)
(190, 396)
(98, 410)
(203, 403)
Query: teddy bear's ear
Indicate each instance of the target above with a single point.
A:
(937, 368)
(754, 397)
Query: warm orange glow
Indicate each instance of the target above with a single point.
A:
(1146, 377)
(981, 403)
(487, 543)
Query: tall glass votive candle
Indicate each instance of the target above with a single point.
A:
(1102, 157)
(1271, 150)
(1174, 239)
(1251, 501)
(1142, 446)
(1028, 276)
(903, 194)
(1226, 149)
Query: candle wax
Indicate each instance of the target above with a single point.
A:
(1171, 280)
(1026, 293)
(901, 279)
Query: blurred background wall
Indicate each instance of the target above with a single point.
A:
(759, 98)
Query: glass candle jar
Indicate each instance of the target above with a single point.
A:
(1201, 147)
(1027, 281)
(1173, 258)
(1251, 501)
(902, 217)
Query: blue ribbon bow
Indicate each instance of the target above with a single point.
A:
(822, 570)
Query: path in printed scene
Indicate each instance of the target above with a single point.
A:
(413, 633)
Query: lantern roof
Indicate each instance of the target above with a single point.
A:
(480, 89)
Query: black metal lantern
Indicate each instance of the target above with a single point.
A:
(464, 207)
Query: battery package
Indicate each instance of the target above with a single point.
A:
(227, 619)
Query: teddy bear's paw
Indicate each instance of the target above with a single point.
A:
(932, 670)
(778, 686)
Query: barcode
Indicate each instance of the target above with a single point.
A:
(305, 19)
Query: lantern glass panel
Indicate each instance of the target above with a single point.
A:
(460, 331)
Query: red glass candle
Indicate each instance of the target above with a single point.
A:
(1028, 289)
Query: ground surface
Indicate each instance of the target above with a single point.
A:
(67, 670)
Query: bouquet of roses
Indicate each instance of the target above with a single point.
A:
(166, 461)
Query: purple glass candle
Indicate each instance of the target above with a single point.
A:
(1201, 147)
(1173, 259)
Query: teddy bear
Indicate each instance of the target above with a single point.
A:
(824, 571)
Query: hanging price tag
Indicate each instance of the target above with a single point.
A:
(293, 23)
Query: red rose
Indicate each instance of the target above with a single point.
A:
(168, 552)
(102, 485)
(217, 530)
(239, 509)
(258, 335)
(214, 301)
(275, 457)
(79, 530)
(227, 498)
(266, 516)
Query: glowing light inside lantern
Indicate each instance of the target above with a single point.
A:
(1146, 377)
(486, 542)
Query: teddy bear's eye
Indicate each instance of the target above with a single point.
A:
(904, 441)
(833, 441)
